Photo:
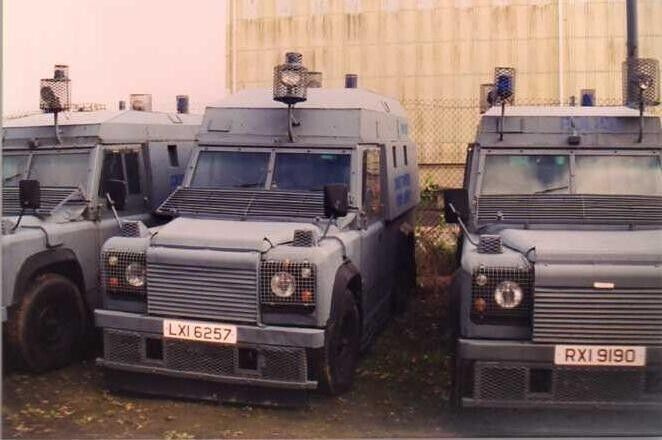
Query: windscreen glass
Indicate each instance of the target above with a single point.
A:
(310, 171)
(625, 175)
(13, 168)
(231, 169)
(60, 169)
(526, 174)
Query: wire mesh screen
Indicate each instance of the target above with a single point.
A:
(641, 81)
(55, 95)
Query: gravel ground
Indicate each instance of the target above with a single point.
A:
(400, 391)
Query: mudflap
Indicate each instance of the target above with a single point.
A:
(195, 389)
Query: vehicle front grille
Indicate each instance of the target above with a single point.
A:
(569, 208)
(589, 316)
(188, 291)
(289, 364)
(531, 382)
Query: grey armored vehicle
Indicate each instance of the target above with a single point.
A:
(56, 217)
(292, 242)
(558, 298)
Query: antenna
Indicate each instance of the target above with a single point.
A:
(641, 86)
(290, 86)
(55, 95)
(504, 91)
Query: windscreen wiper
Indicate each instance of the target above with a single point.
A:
(548, 190)
(7, 179)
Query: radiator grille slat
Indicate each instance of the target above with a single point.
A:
(50, 198)
(570, 208)
(619, 316)
(218, 293)
(244, 203)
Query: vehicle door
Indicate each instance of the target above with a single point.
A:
(124, 163)
(372, 233)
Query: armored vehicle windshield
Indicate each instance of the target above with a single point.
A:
(250, 169)
(624, 174)
(50, 169)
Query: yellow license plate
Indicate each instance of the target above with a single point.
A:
(200, 331)
(600, 355)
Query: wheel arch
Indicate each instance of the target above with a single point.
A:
(347, 276)
(61, 261)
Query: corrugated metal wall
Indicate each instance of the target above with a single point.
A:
(433, 54)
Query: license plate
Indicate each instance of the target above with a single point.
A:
(600, 355)
(200, 331)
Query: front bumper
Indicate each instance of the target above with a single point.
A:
(267, 356)
(523, 374)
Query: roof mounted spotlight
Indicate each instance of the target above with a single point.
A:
(290, 86)
(486, 99)
(641, 86)
(504, 91)
(55, 94)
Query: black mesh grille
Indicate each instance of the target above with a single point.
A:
(290, 93)
(244, 203)
(490, 277)
(489, 244)
(598, 384)
(122, 346)
(113, 273)
(55, 95)
(641, 71)
(305, 290)
(200, 357)
(303, 238)
(130, 229)
(570, 208)
(500, 383)
(523, 382)
(288, 364)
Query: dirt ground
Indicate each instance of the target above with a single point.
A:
(400, 391)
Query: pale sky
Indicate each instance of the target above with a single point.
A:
(114, 48)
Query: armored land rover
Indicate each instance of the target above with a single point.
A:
(558, 297)
(292, 242)
(56, 215)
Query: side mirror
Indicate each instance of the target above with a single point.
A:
(116, 190)
(336, 203)
(456, 205)
(29, 194)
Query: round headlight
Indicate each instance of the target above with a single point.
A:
(283, 284)
(290, 78)
(135, 274)
(508, 294)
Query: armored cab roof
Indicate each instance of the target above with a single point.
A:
(105, 126)
(544, 127)
(329, 116)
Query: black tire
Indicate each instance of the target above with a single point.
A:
(341, 348)
(49, 324)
